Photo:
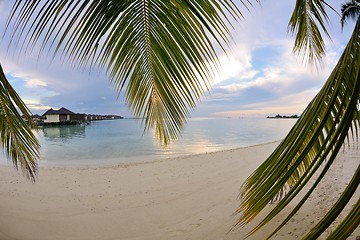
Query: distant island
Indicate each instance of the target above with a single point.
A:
(284, 116)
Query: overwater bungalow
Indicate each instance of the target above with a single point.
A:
(62, 116)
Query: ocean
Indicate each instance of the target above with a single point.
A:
(123, 141)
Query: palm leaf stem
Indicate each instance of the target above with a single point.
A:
(18, 141)
(317, 230)
(348, 225)
(293, 192)
(309, 142)
(304, 179)
(303, 23)
(159, 52)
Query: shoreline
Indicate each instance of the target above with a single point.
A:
(114, 162)
(188, 197)
(124, 141)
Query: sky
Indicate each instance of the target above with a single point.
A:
(260, 75)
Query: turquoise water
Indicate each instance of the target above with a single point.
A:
(120, 141)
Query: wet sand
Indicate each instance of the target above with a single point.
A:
(190, 197)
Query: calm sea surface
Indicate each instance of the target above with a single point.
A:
(119, 141)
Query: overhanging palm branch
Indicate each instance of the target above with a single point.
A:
(350, 9)
(18, 141)
(314, 141)
(308, 14)
(159, 52)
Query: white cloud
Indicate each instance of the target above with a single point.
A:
(280, 74)
(271, 77)
(290, 104)
(34, 83)
(35, 105)
(284, 72)
(238, 65)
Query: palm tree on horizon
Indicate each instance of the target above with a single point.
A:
(157, 52)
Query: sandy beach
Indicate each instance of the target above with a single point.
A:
(190, 197)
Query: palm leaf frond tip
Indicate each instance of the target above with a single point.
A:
(315, 139)
(160, 52)
(18, 141)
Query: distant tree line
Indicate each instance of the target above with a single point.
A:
(284, 116)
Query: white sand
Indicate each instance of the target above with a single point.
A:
(183, 198)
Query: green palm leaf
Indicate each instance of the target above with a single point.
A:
(18, 141)
(159, 52)
(304, 22)
(350, 9)
(314, 140)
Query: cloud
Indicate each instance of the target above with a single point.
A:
(33, 83)
(280, 81)
(289, 104)
(260, 74)
(58, 84)
(238, 65)
(34, 105)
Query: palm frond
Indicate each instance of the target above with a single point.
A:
(349, 224)
(350, 9)
(18, 141)
(307, 15)
(157, 51)
(315, 140)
